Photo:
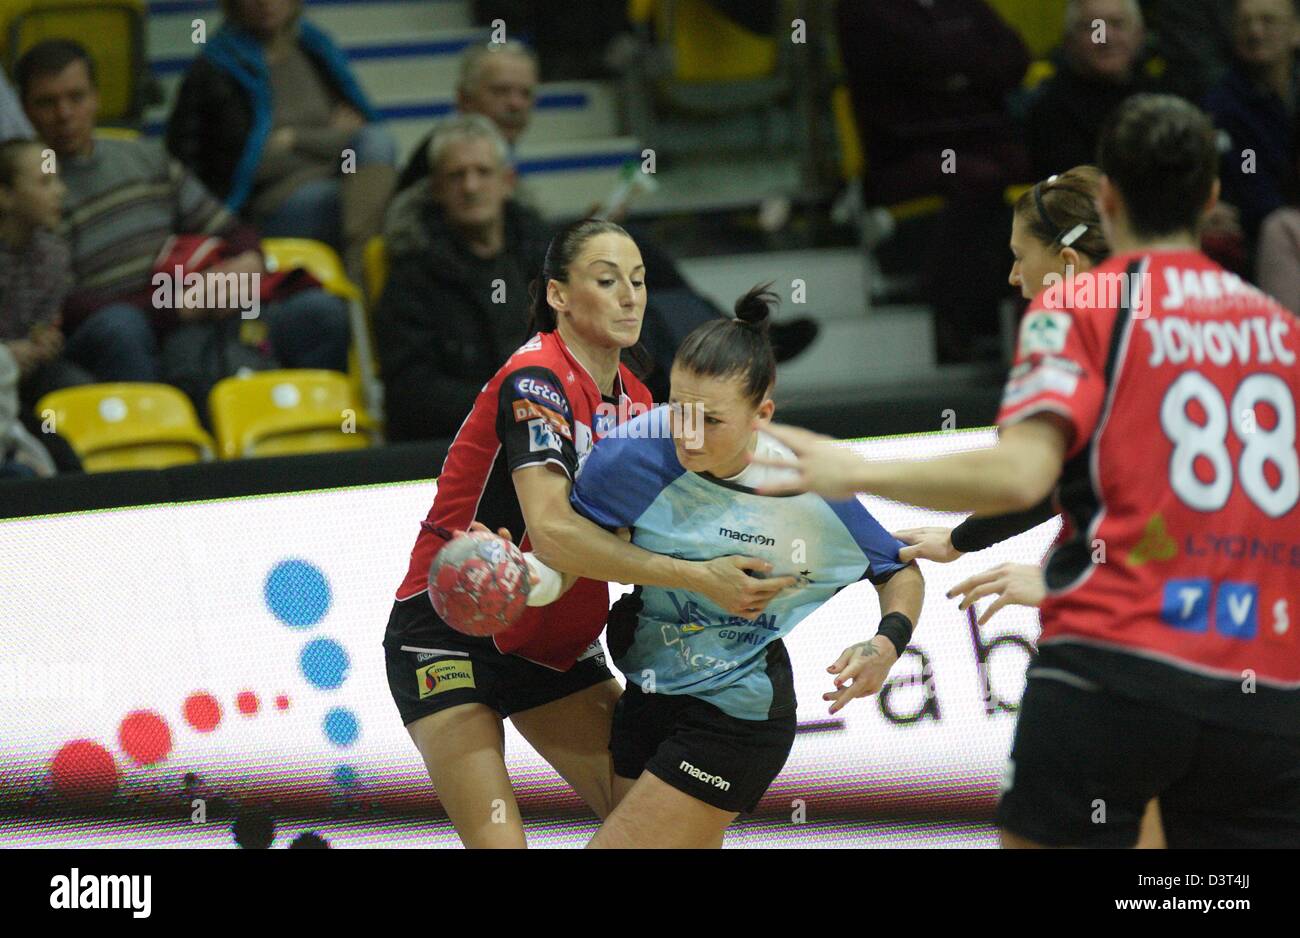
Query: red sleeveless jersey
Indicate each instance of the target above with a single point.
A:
(542, 407)
(1177, 573)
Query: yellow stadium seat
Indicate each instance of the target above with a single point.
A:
(317, 258)
(640, 11)
(112, 32)
(117, 133)
(374, 271)
(127, 426)
(852, 160)
(1041, 23)
(273, 413)
(374, 264)
(708, 46)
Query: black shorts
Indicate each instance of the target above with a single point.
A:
(698, 749)
(431, 667)
(1086, 762)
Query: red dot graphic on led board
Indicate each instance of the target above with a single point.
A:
(247, 703)
(145, 737)
(82, 767)
(282, 702)
(203, 712)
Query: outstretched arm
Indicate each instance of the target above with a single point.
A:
(1014, 475)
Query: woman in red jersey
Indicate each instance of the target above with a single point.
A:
(1166, 667)
(1055, 235)
(511, 466)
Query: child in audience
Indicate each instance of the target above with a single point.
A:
(35, 276)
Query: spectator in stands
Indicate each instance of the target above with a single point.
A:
(497, 80)
(1093, 77)
(929, 83)
(35, 276)
(1194, 38)
(462, 253)
(125, 199)
(1278, 264)
(1255, 108)
(13, 122)
(272, 120)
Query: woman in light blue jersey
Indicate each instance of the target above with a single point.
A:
(708, 716)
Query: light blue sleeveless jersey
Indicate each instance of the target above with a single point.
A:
(682, 643)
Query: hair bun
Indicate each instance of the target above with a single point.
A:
(755, 307)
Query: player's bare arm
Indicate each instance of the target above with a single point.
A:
(570, 543)
(862, 668)
(1014, 475)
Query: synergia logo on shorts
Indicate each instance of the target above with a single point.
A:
(75, 891)
(717, 781)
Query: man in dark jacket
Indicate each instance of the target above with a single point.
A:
(1255, 105)
(461, 255)
(1100, 68)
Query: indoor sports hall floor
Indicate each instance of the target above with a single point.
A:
(102, 833)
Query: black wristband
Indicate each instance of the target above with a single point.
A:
(898, 629)
(978, 533)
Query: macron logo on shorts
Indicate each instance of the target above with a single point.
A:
(717, 781)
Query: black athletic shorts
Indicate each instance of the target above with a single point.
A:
(1086, 762)
(431, 666)
(697, 748)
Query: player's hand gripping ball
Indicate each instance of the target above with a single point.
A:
(479, 583)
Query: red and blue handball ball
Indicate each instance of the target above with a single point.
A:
(479, 583)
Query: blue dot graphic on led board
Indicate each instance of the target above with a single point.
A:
(297, 593)
(341, 727)
(324, 663)
(345, 776)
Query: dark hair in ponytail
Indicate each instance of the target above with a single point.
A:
(740, 347)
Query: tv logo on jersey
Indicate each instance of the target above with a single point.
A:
(603, 421)
(542, 436)
(1187, 605)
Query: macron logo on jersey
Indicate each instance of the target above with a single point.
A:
(745, 537)
(717, 781)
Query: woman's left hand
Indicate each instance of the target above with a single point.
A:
(861, 670)
(1017, 584)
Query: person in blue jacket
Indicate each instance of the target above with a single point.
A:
(708, 715)
(271, 118)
